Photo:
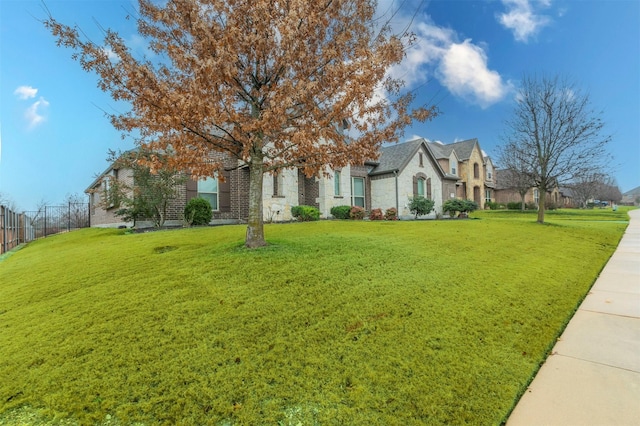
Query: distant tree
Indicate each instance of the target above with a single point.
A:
(608, 190)
(8, 202)
(595, 186)
(272, 84)
(555, 134)
(584, 188)
(77, 214)
(420, 206)
(152, 190)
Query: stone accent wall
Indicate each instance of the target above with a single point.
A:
(277, 207)
(327, 197)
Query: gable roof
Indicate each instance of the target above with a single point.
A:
(464, 148)
(396, 157)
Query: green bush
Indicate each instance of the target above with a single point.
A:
(356, 213)
(198, 212)
(420, 206)
(376, 214)
(514, 205)
(340, 212)
(305, 213)
(531, 206)
(391, 214)
(457, 205)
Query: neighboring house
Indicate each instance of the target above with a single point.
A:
(403, 171)
(507, 192)
(470, 168)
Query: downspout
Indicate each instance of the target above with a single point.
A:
(395, 173)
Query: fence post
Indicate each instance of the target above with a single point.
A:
(4, 229)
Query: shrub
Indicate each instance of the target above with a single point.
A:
(550, 205)
(341, 212)
(305, 213)
(456, 205)
(356, 213)
(198, 212)
(491, 205)
(514, 205)
(420, 206)
(391, 214)
(469, 206)
(376, 214)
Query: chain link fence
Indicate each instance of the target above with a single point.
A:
(17, 228)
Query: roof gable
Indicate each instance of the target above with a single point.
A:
(464, 148)
(394, 158)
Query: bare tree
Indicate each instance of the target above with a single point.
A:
(268, 83)
(608, 190)
(585, 187)
(8, 202)
(555, 134)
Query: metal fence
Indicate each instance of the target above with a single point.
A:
(18, 228)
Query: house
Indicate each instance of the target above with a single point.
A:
(470, 168)
(507, 191)
(414, 168)
(408, 170)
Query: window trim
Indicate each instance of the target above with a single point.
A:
(337, 183)
(364, 192)
(215, 208)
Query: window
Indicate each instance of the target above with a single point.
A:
(420, 187)
(357, 191)
(278, 185)
(421, 160)
(208, 189)
(489, 175)
(487, 195)
(536, 195)
(453, 169)
(476, 171)
(428, 195)
(337, 178)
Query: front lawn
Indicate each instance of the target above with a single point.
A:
(336, 322)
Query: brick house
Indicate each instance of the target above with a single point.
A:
(505, 192)
(470, 168)
(435, 171)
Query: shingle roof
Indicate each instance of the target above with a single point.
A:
(463, 148)
(396, 157)
(440, 150)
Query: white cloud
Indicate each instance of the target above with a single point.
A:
(522, 19)
(460, 67)
(464, 71)
(34, 114)
(25, 92)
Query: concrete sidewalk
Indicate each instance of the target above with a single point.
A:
(593, 374)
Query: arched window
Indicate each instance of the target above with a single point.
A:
(476, 171)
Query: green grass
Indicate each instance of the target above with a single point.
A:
(336, 322)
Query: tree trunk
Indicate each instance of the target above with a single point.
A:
(255, 228)
(541, 202)
(522, 202)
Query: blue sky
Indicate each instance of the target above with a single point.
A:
(469, 59)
